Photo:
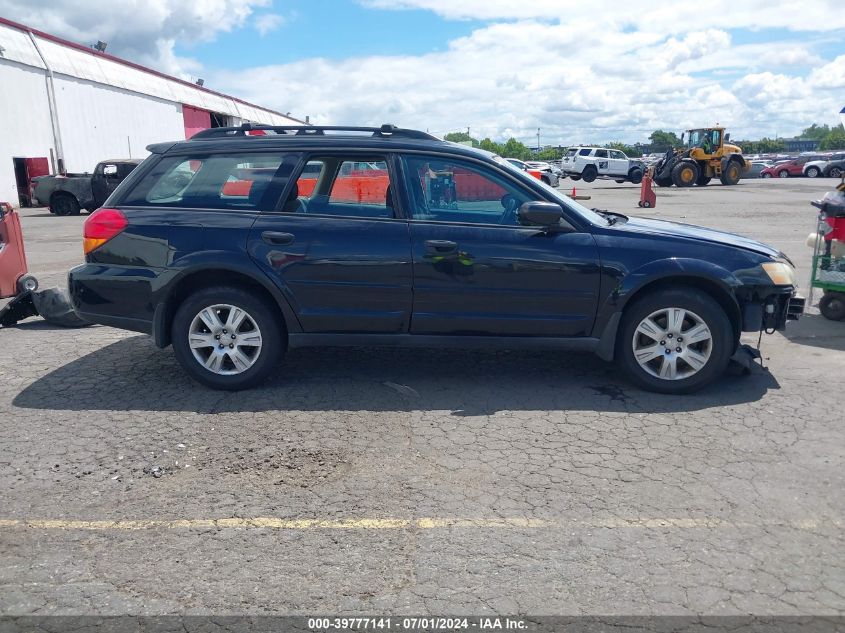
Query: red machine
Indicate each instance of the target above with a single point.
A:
(14, 278)
(16, 283)
(648, 198)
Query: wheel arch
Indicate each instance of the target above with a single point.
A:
(714, 281)
(207, 277)
(61, 193)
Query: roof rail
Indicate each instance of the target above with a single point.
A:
(385, 131)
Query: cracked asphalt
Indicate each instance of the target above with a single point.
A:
(416, 481)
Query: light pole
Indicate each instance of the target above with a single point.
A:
(538, 141)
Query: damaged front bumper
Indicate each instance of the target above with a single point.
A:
(770, 311)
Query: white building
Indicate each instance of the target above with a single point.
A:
(65, 107)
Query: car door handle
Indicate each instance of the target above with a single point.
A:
(441, 246)
(280, 239)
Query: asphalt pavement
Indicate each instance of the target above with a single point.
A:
(425, 481)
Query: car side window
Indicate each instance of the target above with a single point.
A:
(344, 186)
(585, 152)
(220, 181)
(448, 190)
(601, 153)
(616, 154)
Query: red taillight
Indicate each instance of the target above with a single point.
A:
(100, 227)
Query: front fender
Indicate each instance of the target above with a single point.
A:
(654, 273)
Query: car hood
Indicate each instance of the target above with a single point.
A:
(690, 231)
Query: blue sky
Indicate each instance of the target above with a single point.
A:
(335, 29)
(593, 71)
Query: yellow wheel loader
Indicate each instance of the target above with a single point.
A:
(706, 154)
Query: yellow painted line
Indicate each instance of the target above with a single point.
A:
(684, 523)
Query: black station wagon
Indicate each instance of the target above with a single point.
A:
(243, 242)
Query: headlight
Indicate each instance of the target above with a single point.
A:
(781, 273)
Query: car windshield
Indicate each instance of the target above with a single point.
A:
(566, 202)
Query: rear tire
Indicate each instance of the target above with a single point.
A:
(783, 174)
(832, 306)
(648, 327)
(663, 182)
(813, 172)
(766, 175)
(590, 173)
(732, 173)
(228, 363)
(835, 172)
(64, 204)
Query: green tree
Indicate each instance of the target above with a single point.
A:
(815, 131)
(769, 146)
(629, 150)
(460, 137)
(514, 149)
(550, 153)
(490, 146)
(834, 139)
(662, 141)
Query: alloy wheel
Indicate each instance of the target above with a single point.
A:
(225, 339)
(672, 344)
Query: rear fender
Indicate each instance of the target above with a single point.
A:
(218, 261)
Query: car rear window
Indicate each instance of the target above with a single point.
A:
(218, 181)
(572, 152)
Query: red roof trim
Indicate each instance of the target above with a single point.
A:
(124, 62)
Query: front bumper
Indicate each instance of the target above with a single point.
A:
(773, 312)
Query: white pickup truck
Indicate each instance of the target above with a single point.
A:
(589, 163)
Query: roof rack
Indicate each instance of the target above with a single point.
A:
(385, 131)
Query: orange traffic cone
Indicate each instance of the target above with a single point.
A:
(574, 193)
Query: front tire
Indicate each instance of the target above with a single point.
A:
(685, 174)
(783, 174)
(813, 172)
(688, 323)
(766, 175)
(635, 175)
(835, 172)
(227, 338)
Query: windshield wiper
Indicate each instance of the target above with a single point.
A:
(611, 216)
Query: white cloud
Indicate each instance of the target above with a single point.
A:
(649, 15)
(580, 71)
(579, 80)
(266, 23)
(146, 31)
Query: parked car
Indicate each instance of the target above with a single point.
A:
(590, 163)
(545, 166)
(785, 169)
(68, 194)
(815, 168)
(546, 174)
(757, 166)
(834, 168)
(461, 249)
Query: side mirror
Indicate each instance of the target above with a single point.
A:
(540, 213)
(727, 137)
